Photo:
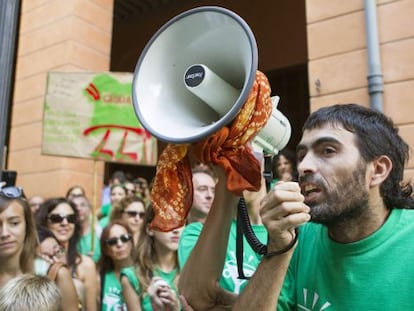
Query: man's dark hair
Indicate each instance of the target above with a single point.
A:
(376, 135)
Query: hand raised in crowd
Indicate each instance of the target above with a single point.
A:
(163, 297)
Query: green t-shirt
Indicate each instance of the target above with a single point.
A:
(375, 273)
(146, 300)
(273, 183)
(112, 299)
(229, 279)
(104, 221)
(85, 245)
(106, 212)
(106, 209)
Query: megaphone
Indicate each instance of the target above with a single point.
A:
(195, 74)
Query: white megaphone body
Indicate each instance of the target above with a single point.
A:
(194, 76)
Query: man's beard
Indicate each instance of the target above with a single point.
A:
(349, 200)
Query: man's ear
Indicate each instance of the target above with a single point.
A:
(381, 168)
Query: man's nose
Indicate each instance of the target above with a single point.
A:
(307, 164)
(210, 193)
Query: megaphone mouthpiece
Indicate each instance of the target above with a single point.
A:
(212, 89)
(194, 76)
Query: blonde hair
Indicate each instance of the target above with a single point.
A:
(30, 292)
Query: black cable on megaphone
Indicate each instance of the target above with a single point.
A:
(243, 215)
(244, 227)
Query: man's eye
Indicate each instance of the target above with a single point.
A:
(300, 156)
(328, 151)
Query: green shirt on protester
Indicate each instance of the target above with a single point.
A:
(146, 299)
(112, 299)
(229, 279)
(375, 273)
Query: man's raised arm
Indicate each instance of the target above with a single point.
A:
(199, 278)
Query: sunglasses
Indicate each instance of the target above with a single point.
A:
(58, 218)
(11, 192)
(135, 214)
(114, 241)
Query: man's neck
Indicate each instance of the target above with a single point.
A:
(356, 229)
(196, 217)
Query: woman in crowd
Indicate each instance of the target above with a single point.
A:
(142, 189)
(53, 264)
(153, 285)
(131, 210)
(61, 217)
(18, 241)
(118, 192)
(284, 167)
(89, 240)
(75, 191)
(116, 246)
(35, 202)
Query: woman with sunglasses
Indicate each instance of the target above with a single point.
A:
(18, 237)
(61, 217)
(116, 246)
(131, 210)
(153, 284)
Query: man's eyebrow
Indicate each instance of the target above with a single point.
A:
(319, 141)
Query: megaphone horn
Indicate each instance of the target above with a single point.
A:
(195, 74)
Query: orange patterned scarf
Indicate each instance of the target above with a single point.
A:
(172, 191)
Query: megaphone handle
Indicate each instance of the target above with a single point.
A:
(268, 172)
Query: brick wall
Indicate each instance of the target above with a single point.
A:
(55, 35)
(338, 58)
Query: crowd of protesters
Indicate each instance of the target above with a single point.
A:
(107, 258)
(350, 204)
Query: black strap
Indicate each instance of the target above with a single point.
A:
(268, 172)
(244, 227)
(239, 248)
(103, 272)
(284, 250)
